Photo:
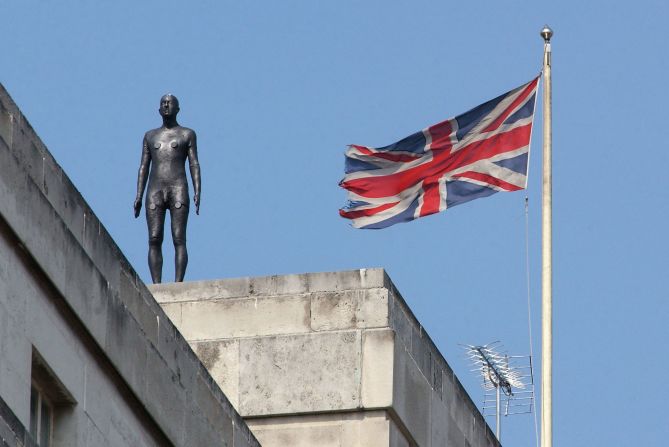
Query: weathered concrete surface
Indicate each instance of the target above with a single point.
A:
(358, 429)
(340, 345)
(68, 293)
(279, 375)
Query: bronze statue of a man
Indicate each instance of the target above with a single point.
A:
(164, 154)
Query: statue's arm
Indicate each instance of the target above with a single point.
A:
(142, 176)
(194, 165)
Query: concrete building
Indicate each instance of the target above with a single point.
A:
(325, 359)
(87, 356)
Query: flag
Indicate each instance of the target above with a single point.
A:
(472, 155)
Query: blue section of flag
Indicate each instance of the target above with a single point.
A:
(352, 204)
(413, 143)
(468, 120)
(524, 112)
(460, 192)
(353, 165)
(516, 164)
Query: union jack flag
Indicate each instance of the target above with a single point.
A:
(472, 155)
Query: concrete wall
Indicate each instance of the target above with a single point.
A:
(349, 429)
(68, 295)
(324, 355)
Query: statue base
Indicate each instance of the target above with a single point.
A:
(327, 359)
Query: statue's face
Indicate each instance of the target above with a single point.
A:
(169, 105)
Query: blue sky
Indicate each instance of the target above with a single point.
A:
(276, 90)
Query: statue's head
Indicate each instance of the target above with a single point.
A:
(169, 105)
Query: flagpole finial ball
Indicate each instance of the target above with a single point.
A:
(546, 33)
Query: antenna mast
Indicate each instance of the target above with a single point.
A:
(507, 380)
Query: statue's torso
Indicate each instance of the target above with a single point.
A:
(169, 150)
(167, 177)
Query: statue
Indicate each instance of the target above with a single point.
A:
(164, 152)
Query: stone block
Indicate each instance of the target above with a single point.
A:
(211, 407)
(241, 436)
(349, 309)
(201, 290)
(400, 323)
(441, 422)
(378, 347)
(248, 437)
(116, 437)
(411, 396)
(420, 352)
(448, 387)
(331, 311)
(96, 400)
(438, 365)
(346, 280)
(69, 205)
(87, 293)
(397, 438)
(124, 431)
(131, 297)
(302, 435)
(366, 429)
(232, 318)
(221, 358)
(191, 435)
(166, 347)
(6, 126)
(29, 157)
(349, 429)
(270, 285)
(101, 249)
(459, 411)
(279, 285)
(162, 396)
(300, 373)
(14, 351)
(186, 362)
(479, 435)
(124, 346)
(94, 437)
(52, 185)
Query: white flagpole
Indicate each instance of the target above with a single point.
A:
(547, 257)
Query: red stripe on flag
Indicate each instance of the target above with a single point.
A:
(485, 178)
(522, 97)
(366, 212)
(431, 197)
(441, 135)
(488, 148)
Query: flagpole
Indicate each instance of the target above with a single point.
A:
(547, 256)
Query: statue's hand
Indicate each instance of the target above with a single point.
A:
(137, 206)
(196, 200)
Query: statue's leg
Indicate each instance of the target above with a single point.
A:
(179, 218)
(155, 219)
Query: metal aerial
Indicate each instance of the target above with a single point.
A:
(507, 381)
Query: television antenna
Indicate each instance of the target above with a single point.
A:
(507, 380)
